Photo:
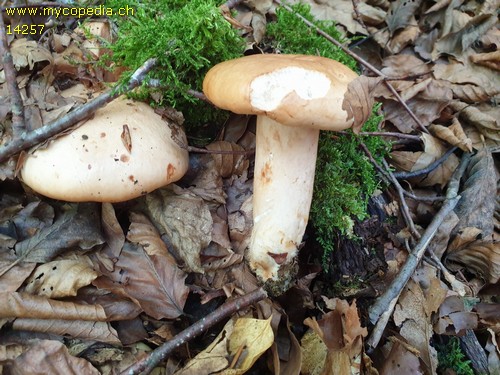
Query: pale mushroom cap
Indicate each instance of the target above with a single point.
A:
(294, 90)
(96, 162)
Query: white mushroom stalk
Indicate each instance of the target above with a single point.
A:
(294, 96)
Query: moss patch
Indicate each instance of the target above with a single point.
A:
(345, 178)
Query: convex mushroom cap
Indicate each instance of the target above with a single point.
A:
(124, 151)
(294, 90)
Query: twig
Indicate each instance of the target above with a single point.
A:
(422, 198)
(16, 100)
(426, 170)
(382, 303)
(32, 138)
(390, 177)
(221, 152)
(358, 59)
(415, 138)
(146, 365)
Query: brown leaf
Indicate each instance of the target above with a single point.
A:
(477, 206)
(485, 118)
(23, 305)
(453, 134)
(490, 60)
(401, 360)
(341, 332)
(456, 43)
(453, 318)
(401, 14)
(480, 257)
(26, 53)
(410, 315)
(358, 100)
(183, 220)
(50, 357)
(470, 93)
(153, 282)
(227, 163)
(112, 231)
(468, 73)
(61, 278)
(77, 226)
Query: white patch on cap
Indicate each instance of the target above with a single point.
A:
(268, 90)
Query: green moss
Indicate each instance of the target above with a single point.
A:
(187, 38)
(345, 178)
(450, 356)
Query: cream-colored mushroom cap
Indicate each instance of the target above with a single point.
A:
(124, 151)
(294, 90)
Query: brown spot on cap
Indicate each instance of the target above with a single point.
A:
(170, 171)
(124, 158)
(103, 135)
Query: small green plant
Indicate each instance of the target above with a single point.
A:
(187, 37)
(450, 356)
(345, 178)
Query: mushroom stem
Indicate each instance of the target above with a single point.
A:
(285, 162)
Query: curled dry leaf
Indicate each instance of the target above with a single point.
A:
(26, 53)
(411, 316)
(24, 305)
(414, 161)
(185, 222)
(479, 257)
(228, 163)
(85, 330)
(50, 357)
(61, 278)
(477, 206)
(244, 339)
(341, 334)
(490, 59)
(486, 119)
(453, 318)
(455, 43)
(358, 100)
(453, 134)
(146, 273)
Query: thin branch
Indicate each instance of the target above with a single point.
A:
(415, 138)
(390, 177)
(220, 152)
(32, 138)
(382, 303)
(146, 365)
(358, 59)
(16, 100)
(426, 170)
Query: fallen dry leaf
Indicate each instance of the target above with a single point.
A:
(24, 305)
(229, 163)
(50, 357)
(341, 333)
(147, 274)
(61, 278)
(453, 318)
(81, 329)
(401, 359)
(184, 220)
(453, 134)
(414, 322)
(414, 161)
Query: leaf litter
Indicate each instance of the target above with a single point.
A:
(90, 272)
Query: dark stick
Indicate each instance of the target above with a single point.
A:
(16, 101)
(146, 365)
(426, 170)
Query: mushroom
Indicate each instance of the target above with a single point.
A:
(293, 96)
(124, 151)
